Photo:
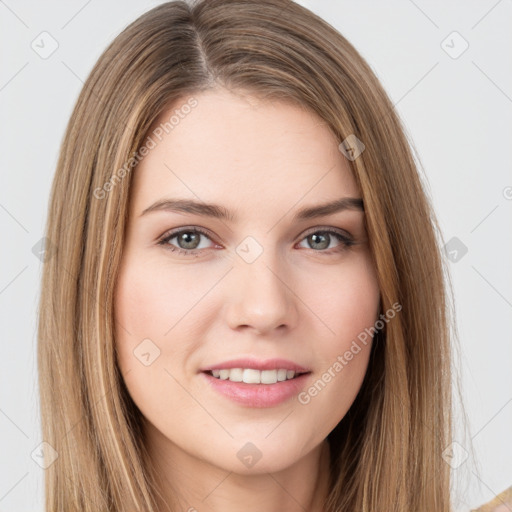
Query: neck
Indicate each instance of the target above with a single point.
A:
(194, 485)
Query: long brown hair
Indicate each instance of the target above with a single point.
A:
(386, 452)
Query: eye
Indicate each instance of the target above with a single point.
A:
(188, 240)
(320, 240)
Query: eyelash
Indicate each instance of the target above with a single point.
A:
(346, 241)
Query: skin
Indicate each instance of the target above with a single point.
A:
(304, 300)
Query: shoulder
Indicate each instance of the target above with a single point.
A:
(501, 503)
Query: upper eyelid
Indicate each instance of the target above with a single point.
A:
(171, 233)
(326, 228)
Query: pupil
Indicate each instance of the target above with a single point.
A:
(325, 243)
(190, 239)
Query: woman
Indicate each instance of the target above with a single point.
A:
(198, 350)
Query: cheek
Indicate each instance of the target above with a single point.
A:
(152, 302)
(148, 304)
(347, 301)
(348, 305)
(142, 316)
(156, 311)
(330, 395)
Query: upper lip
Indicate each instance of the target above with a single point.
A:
(268, 364)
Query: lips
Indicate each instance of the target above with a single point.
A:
(257, 383)
(250, 363)
(258, 395)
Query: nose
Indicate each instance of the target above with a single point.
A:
(261, 298)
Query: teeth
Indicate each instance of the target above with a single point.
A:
(236, 375)
(251, 376)
(269, 376)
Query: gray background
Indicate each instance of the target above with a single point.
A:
(456, 109)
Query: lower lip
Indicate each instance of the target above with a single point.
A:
(258, 395)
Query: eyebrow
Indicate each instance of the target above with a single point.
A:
(220, 212)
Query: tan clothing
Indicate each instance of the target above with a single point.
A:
(502, 503)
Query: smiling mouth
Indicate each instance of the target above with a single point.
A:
(253, 376)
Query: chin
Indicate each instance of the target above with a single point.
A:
(262, 457)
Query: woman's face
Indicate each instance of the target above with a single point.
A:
(264, 276)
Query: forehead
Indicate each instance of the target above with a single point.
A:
(246, 153)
